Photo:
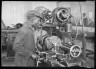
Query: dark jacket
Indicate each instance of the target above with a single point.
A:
(23, 45)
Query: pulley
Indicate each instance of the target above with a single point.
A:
(61, 15)
(46, 13)
(75, 51)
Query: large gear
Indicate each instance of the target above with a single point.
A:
(61, 15)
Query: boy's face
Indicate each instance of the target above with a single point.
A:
(36, 21)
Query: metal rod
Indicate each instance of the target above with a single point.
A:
(83, 39)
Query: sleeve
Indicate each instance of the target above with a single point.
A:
(18, 45)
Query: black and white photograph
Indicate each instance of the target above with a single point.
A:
(47, 33)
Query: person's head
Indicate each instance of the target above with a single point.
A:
(84, 14)
(34, 18)
(18, 25)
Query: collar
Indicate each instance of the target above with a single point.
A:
(32, 28)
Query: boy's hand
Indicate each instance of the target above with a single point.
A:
(34, 56)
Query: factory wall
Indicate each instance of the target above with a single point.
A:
(13, 12)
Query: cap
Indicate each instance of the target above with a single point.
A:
(33, 12)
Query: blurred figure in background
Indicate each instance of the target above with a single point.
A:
(18, 25)
(85, 19)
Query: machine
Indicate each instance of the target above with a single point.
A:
(53, 48)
